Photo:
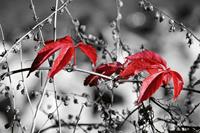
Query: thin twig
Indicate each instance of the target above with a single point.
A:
(49, 118)
(54, 86)
(55, 93)
(125, 119)
(38, 106)
(78, 118)
(8, 70)
(73, 124)
(39, 24)
(3, 75)
(117, 28)
(23, 81)
(36, 20)
(175, 21)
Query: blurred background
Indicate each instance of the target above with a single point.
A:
(138, 28)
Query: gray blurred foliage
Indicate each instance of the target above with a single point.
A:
(137, 28)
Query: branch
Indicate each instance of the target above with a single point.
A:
(38, 106)
(78, 118)
(128, 116)
(39, 24)
(73, 124)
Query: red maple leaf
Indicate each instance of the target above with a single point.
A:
(67, 50)
(105, 69)
(156, 66)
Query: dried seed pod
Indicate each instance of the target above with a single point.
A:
(188, 35)
(8, 125)
(37, 74)
(150, 8)
(75, 101)
(23, 91)
(76, 22)
(119, 16)
(20, 85)
(121, 3)
(190, 41)
(4, 66)
(50, 116)
(141, 3)
(172, 28)
(157, 15)
(162, 18)
(51, 80)
(49, 20)
(171, 22)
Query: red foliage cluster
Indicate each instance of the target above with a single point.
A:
(67, 51)
(154, 64)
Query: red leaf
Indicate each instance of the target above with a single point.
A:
(63, 58)
(145, 60)
(149, 56)
(167, 77)
(89, 51)
(178, 83)
(105, 69)
(50, 48)
(137, 66)
(150, 85)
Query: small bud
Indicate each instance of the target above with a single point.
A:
(66, 103)
(7, 88)
(89, 128)
(76, 22)
(182, 29)
(36, 37)
(171, 21)
(85, 95)
(50, 116)
(58, 97)
(77, 118)
(188, 35)
(190, 42)
(8, 108)
(4, 66)
(82, 28)
(162, 18)
(119, 16)
(6, 94)
(157, 15)
(61, 11)
(121, 3)
(29, 36)
(53, 8)
(75, 101)
(7, 125)
(70, 69)
(51, 80)
(23, 91)
(37, 74)
(141, 3)
(150, 8)
(172, 28)
(113, 24)
(49, 20)
(70, 116)
(20, 85)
